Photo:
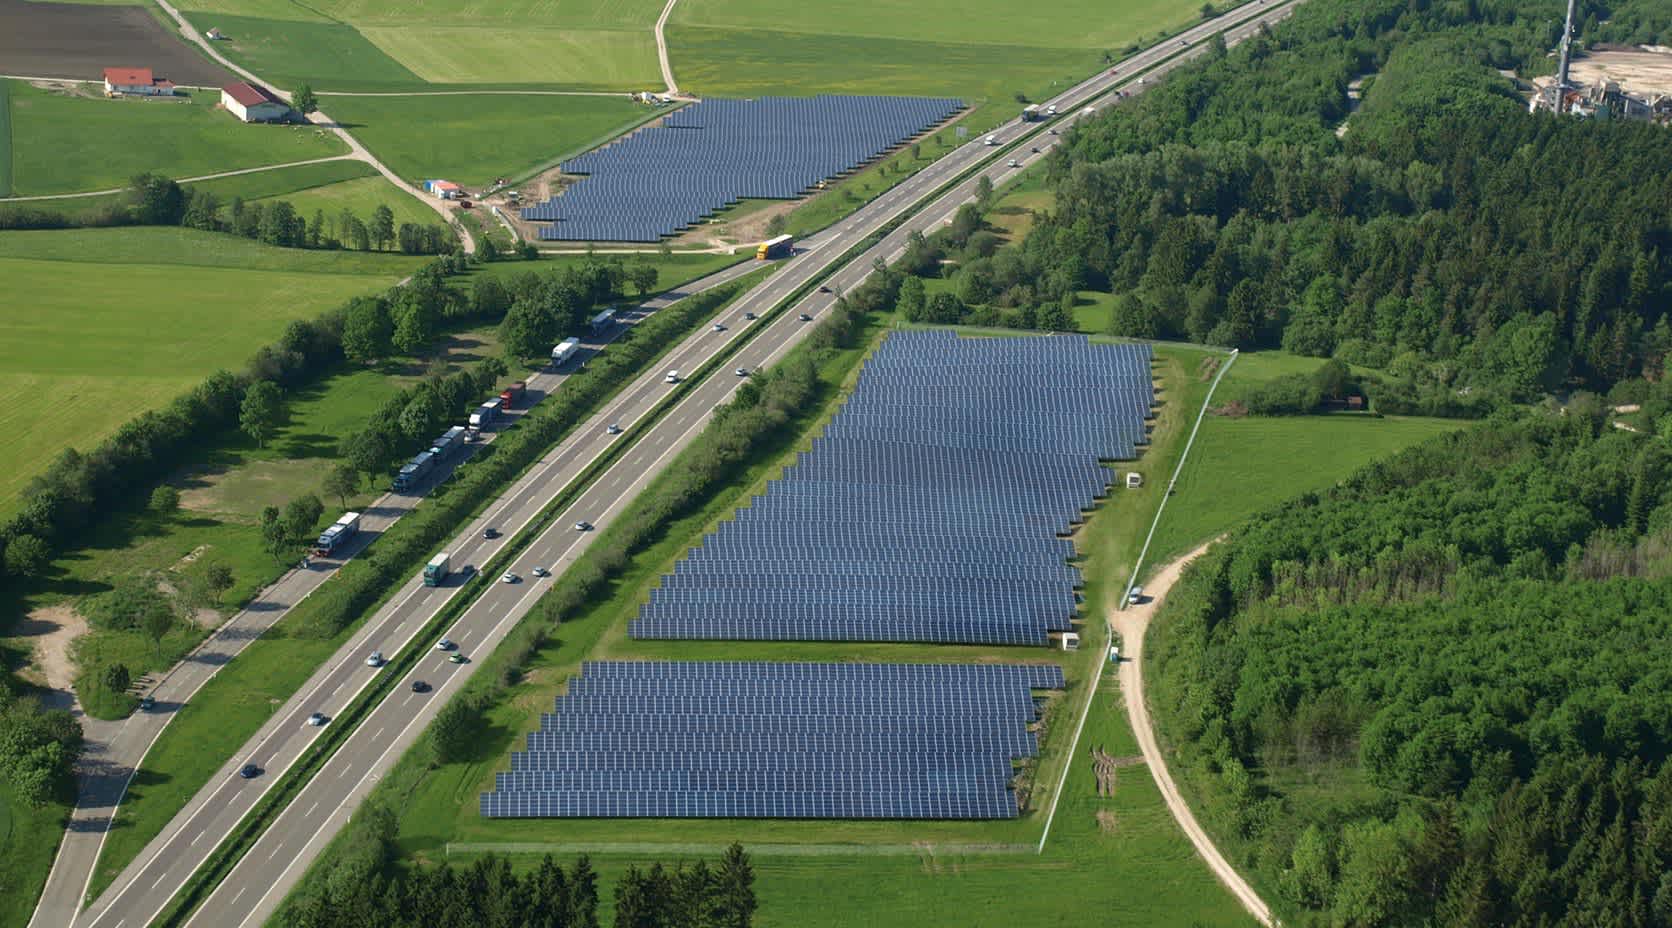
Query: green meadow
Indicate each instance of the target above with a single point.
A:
(112, 322)
(67, 143)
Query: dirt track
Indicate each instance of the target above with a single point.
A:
(77, 41)
(1132, 623)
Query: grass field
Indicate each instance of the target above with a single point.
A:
(64, 144)
(983, 49)
(28, 840)
(5, 138)
(360, 196)
(116, 321)
(1241, 466)
(473, 139)
(368, 44)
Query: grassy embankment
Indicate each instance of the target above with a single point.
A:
(64, 143)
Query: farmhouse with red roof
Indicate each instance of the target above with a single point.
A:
(253, 103)
(137, 81)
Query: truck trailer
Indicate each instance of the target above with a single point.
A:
(565, 350)
(485, 415)
(413, 472)
(337, 534)
(449, 443)
(603, 320)
(436, 570)
(512, 395)
(780, 247)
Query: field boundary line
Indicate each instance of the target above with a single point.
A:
(192, 180)
(1137, 565)
(757, 850)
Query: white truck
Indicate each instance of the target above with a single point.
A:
(564, 350)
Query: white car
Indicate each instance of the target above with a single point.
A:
(317, 719)
(1135, 596)
(583, 526)
(540, 572)
(614, 429)
(375, 659)
(1014, 163)
(718, 327)
(509, 577)
(743, 372)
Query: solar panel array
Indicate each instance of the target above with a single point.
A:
(932, 508)
(661, 739)
(712, 154)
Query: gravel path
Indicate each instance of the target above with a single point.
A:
(1132, 623)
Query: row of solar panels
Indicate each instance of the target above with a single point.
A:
(961, 503)
(778, 740)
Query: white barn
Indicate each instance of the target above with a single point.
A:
(138, 81)
(253, 103)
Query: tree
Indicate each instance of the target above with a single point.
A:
(301, 515)
(415, 324)
(258, 416)
(303, 99)
(367, 452)
(165, 498)
(115, 678)
(316, 229)
(27, 556)
(156, 626)
(155, 200)
(737, 889)
(383, 226)
(274, 536)
(217, 579)
(454, 731)
(342, 482)
(367, 329)
(644, 276)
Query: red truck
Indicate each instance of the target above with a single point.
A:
(510, 396)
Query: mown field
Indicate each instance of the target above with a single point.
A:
(28, 841)
(115, 321)
(366, 44)
(1241, 466)
(64, 143)
(473, 139)
(360, 196)
(982, 49)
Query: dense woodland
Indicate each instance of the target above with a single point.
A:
(1438, 693)
(1474, 252)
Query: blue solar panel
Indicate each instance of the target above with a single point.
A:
(932, 508)
(709, 155)
(778, 740)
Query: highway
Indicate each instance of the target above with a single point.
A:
(279, 857)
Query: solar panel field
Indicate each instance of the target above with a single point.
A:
(712, 154)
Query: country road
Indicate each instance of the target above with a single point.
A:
(672, 89)
(1132, 623)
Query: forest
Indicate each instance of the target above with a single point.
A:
(1474, 253)
(1437, 693)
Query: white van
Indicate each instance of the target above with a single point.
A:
(673, 376)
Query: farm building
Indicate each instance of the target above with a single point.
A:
(443, 189)
(137, 81)
(253, 103)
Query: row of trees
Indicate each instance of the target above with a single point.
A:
(61, 501)
(156, 200)
(1469, 632)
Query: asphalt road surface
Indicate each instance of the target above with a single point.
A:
(278, 859)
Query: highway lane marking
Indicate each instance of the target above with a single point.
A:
(160, 877)
(310, 812)
(198, 837)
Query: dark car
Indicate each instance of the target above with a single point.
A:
(419, 686)
(490, 533)
(249, 771)
(148, 703)
(805, 318)
(823, 288)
